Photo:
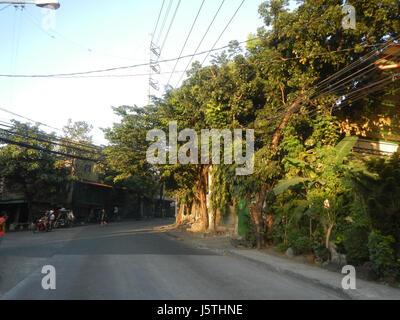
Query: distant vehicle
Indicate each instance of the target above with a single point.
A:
(41, 225)
(65, 219)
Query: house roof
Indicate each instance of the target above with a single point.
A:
(97, 184)
(390, 58)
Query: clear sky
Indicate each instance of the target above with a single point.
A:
(99, 34)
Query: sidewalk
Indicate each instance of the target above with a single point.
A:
(366, 290)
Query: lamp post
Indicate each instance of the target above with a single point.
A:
(54, 5)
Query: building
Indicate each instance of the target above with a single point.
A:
(378, 127)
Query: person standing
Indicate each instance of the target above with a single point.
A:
(52, 217)
(3, 221)
(103, 217)
(116, 211)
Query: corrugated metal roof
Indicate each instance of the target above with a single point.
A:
(97, 184)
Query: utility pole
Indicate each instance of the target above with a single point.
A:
(150, 71)
(154, 67)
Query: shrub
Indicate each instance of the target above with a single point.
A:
(381, 253)
(355, 243)
(321, 252)
(282, 247)
(299, 242)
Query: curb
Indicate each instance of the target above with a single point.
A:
(296, 275)
(346, 294)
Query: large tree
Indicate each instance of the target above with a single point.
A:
(28, 166)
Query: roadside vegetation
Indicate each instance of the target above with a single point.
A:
(308, 192)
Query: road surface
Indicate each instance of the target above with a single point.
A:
(136, 260)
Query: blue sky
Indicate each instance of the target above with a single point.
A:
(99, 34)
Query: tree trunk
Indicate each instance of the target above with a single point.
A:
(328, 235)
(217, 218)
(30, 216)
(255, 208)
(141, 208)
(203, 211)
(256, 214)
(211, 220)
(292, 109)
(202, 188)
(211, 212)
(179, 219)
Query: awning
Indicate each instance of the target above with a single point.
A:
(13, 202)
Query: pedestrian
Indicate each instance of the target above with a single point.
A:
(103, 217)
(3, 221)
(116, 210)
(52, 217)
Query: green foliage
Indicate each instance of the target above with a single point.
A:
(79, 131)
(299, 242)
(285, 185)
(37, 174)
(381, 253)
(221, 190)
(126, 155)
(283, 247)
(321, 252)
(356, 245)
(245, 226)
(307, 166)
(345, 147)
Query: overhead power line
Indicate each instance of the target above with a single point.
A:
(116, 75)
(187, 39)
(314, 93)
(30, 120)
(164, 20)
(28, 146)
(1, 9)
(158, 20)
(37, 138)
(201, 42)
(114, 68)
(54, 34)
(223, 31)
(56, 138)
(170, 26)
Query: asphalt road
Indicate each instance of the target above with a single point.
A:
(136, 260)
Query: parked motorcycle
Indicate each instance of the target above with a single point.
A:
(41, 225)
(65, 219)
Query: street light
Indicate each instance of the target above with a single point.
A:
(54, 5)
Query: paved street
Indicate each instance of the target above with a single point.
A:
(135, 260)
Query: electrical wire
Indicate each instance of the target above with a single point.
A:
(186, 41)
(201, 41)
(28, 146)
(114, 68)
(37, 138)
(55, 138)
(5, 7)
(223, 31)
(54, 34)
(158, 20)
(116, 75)
(170, 26)
(352, 97)
(313, 94)
(25, 118)
(164, 21)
